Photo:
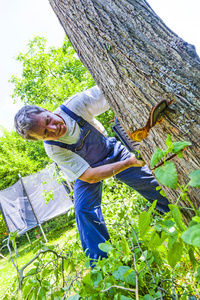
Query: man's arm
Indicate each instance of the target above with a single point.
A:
(93, 175)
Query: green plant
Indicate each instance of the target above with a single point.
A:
(148, 259)
(3, 229)
(165, 171)
(48, 196)
(49, 76)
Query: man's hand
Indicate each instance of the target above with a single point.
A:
(134, 162)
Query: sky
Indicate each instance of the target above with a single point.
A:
(21, 20)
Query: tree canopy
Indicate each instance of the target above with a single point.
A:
(19, 156)
(49, 76)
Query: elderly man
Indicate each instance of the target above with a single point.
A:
(78, 143)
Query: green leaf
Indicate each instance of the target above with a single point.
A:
(168, 140)
(156, 157)
(168, 223)
(153, 206)
(172, 239)
(180, 154)
(87, 263)
(197, 274)
(66, 264)
(196, 219)
(105, 247)
(191, 236)
(122, 297)
(157, 239)
(144, 221)
(143, 256)
(128, 272)
(195, 179)
(167, 175)
(157, 257)
(119, 275)
(148, 297)
(27, 289)
(87, 279)
(163, 193)
(31, 272)
(158, 188)
(96, 278)
(46, 284)
(178, 146)
(177, 217)
(125, 246)
(174, 254)
(41, 294)
(192, 257)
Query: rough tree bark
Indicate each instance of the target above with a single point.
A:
(137, 61)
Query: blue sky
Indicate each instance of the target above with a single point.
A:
(21, 20)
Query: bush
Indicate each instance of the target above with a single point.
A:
(3, 228)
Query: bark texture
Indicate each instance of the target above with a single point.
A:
(137, 61)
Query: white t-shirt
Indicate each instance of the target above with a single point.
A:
(87, 104)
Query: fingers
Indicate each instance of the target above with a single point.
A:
(136, 162)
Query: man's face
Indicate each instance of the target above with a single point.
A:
(48, 126)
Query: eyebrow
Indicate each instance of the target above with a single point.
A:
(45, 131)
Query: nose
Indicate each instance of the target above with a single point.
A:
(51, 127)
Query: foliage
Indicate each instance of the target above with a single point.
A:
(167, 174)
(48, 196)
(58, 231)
(49, 76)
(3, 229)
(19, 156)
(107, 120)
(152, 257)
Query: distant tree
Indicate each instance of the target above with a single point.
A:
(19, 156)
(49, 76)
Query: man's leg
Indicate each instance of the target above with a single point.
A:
(142, 180)
(89, 218)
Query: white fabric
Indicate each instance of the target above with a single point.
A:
(18, 212)
(87, 104)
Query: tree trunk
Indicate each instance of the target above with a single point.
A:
(136, 60)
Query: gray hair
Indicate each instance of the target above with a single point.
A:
(24, 120)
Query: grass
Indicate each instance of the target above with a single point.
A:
(62, 231)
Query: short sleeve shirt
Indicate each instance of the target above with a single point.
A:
(87, 104)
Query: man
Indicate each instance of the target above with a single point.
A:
(77, 142)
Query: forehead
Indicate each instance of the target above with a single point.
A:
(38, 126)
(39, 119)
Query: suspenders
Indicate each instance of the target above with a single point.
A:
(77, 118)
(70, 113)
